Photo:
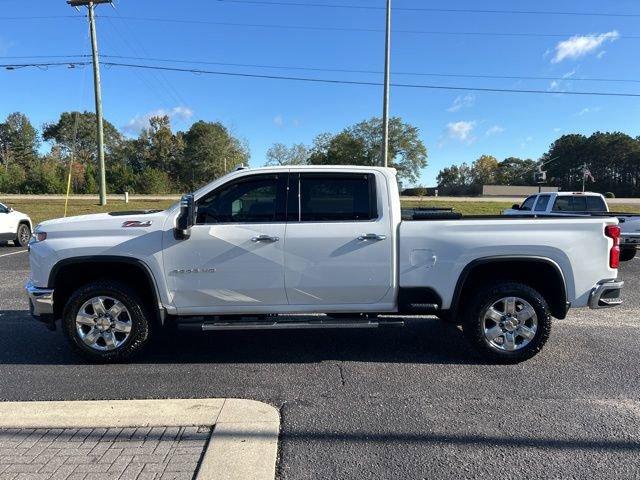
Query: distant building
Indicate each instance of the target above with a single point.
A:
(514, 190)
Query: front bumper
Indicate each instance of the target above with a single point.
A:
(606, 294)
(40, 301)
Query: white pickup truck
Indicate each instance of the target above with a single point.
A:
(14, 226)
(257, 246)
(582, 203)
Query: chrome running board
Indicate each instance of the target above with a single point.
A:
(295, 325)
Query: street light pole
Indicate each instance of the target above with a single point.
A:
(90, 4)
(387, 78)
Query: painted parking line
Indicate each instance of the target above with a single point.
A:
(13, 253)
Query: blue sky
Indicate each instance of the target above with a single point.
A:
(455, 126)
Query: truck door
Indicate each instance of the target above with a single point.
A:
(338, 246)
(234, 261)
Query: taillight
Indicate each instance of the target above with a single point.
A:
(613, 232)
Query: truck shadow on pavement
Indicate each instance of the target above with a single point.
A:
(420, 341)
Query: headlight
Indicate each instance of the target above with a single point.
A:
(38, 237)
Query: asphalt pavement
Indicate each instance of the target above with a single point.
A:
(396, 403)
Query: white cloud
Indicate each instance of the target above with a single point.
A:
(601, 54)
(278, 121)
(140, 122)
(462, 101)
(526, 142)
(495, 130)
(581, 45)
(461, 131)
(586, 110)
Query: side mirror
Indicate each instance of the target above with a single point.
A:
(186, 218)
(515, 206)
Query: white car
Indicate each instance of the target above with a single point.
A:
(582, 203)
(305, 240)
(14, 226)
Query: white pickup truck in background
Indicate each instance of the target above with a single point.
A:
(255, 247)
(14, 226)
(582, 203)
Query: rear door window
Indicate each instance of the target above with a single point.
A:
(543, 201)
(337, 197)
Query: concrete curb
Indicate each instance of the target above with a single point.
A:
(243, 444)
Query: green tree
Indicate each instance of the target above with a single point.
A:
(210, 151)
(361, 144)
(516, 171)
(19, 141)
(485, 170)
(455, 180)
(81, 136)
(46, 176)
(122, 178)
(12, 179)
(162, 149)
(567, 153)
(153, 181)
(90, 180)
(280, 154)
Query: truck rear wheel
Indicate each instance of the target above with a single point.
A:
(507, 322)
(106, 322)
(627, 254)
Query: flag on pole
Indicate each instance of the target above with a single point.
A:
(587, 174)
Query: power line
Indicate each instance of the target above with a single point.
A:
(40, 17)
(356, 29)
(344, 70)
(428, 9)
(44, 66)
(335, 29)
(14, 66)
(376, 84)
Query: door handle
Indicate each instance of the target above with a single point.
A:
(265, 238)
(371, 236)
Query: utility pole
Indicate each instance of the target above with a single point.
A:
(584, 174)
(90, 4)
(387, 78)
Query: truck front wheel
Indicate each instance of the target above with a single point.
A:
(106, 322)
(507, 322)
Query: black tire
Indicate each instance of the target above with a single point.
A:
(627, 254)
(474, 322)
(23, 235)
(137, 313)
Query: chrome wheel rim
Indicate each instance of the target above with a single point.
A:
(509, 324)
(103, 323)
(24, 235)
